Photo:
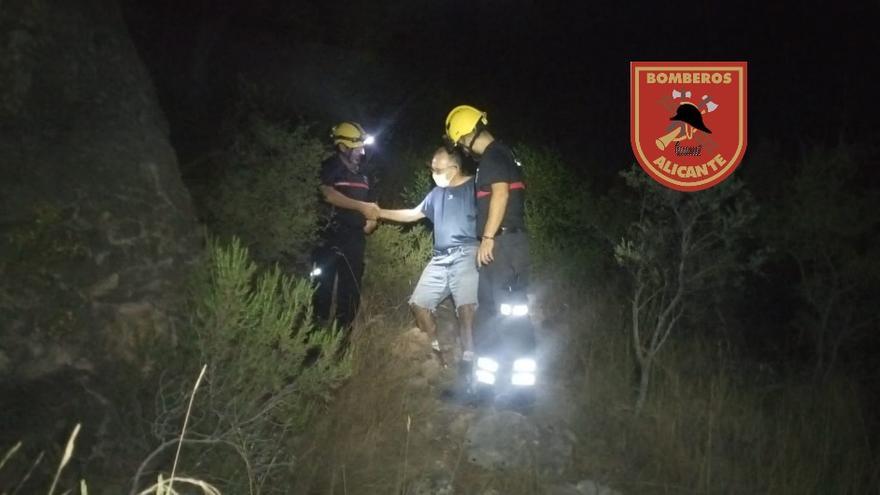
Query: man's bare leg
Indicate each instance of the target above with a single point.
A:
(425, 322)
(466, 328)
(466, 335)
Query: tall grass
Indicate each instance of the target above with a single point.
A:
(716, 423)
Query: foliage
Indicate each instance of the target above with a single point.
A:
(683, 246)
(827, 224)
(395, 259)
(270, 368)
(419, 186)
(560, 213)
(715, 422)
(272, 176)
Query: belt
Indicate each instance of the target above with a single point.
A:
(448, 251)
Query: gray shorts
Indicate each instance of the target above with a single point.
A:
(454, 273)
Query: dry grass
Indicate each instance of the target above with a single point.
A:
(164, 486)
(65, 459)
(713, 424)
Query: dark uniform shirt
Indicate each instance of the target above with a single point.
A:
(335, 174)
(453, 211)
(499, 165)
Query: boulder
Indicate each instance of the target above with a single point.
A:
(97, 230)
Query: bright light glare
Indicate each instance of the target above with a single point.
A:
(488, 364)
(369, 140)
(523, 379)
(514, 309)
(484, 376)
(527, 365)
(316, 272)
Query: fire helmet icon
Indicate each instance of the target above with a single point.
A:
(688, 117)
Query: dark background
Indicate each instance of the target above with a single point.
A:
(550, 74)
(554, 73)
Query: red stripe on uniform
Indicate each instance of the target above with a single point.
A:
(513, 185)
(360, 185)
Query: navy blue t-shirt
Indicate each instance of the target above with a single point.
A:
(335, 174)
(453, 210)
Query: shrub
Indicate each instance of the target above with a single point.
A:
(682, 247)
(269, 369)
(395, 259)
(272, 175)
(559, 213)
(419, 184)
(826, 225)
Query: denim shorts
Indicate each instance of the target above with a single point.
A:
(455, 273)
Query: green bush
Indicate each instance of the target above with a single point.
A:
(268, 194)
(395, 259)
(825, 224)
(559, 213)
(419, 184)
(270, 368)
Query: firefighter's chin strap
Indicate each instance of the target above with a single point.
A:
(478, 131)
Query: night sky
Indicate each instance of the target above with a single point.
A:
(554, 73)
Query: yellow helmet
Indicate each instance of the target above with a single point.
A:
(462, 120)
(350, 134)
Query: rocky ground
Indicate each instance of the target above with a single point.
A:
(396, 428)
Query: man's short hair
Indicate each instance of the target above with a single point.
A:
(453, 156)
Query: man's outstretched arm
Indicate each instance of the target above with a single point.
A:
(402, 216)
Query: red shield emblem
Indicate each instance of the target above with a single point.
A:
(688, 121)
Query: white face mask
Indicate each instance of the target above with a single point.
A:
(440, 179)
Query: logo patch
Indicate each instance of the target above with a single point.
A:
(688, 121)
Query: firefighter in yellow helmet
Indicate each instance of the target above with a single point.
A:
(503, 255)
(353, 213)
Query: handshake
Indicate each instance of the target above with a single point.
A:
(370, 211)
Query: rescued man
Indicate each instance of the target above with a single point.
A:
(451, 207)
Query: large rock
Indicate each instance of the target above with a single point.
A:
(97, 227)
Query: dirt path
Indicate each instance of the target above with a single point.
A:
(394, 430)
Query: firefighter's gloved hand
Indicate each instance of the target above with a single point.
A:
(435, 345)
